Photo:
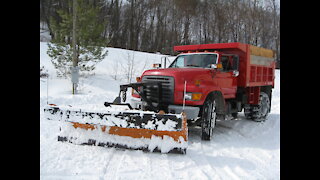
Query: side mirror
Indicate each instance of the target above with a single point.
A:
(165, 59)
(235, 73)
(216, 66)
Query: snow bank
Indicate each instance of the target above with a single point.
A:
(115, 65)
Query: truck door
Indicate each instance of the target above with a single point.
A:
(227, 76)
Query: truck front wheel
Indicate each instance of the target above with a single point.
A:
(208, 118)
(258, 112)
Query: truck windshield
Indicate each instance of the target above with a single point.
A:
(194, 60)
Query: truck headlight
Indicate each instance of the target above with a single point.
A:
(188, 96)
(193, 96)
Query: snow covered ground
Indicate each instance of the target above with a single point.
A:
(241, 149)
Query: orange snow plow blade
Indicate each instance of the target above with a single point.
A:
(129, 129)
(138, 133)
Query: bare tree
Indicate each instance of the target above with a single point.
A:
(157, 26)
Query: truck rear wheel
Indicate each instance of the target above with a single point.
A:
(258, 112)
(208, 118)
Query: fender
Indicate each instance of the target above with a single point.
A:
(220, 102)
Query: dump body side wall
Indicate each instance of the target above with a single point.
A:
(261, 66)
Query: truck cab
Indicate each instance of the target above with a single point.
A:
(197, 74)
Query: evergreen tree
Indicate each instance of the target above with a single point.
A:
(90, 42)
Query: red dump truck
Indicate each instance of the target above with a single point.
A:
(210, 82)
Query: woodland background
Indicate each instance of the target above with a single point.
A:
(158, 25)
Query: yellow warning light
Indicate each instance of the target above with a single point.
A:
(196, 96)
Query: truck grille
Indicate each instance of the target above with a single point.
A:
(167, 83)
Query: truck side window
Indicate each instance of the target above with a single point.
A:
(225, 63)
(235, 62)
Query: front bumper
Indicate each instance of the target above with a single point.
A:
(191, 111)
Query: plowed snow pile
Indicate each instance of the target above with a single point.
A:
(241, 149)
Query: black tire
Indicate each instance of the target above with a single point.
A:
(208, 118)
(258, 112)
(234, 115)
